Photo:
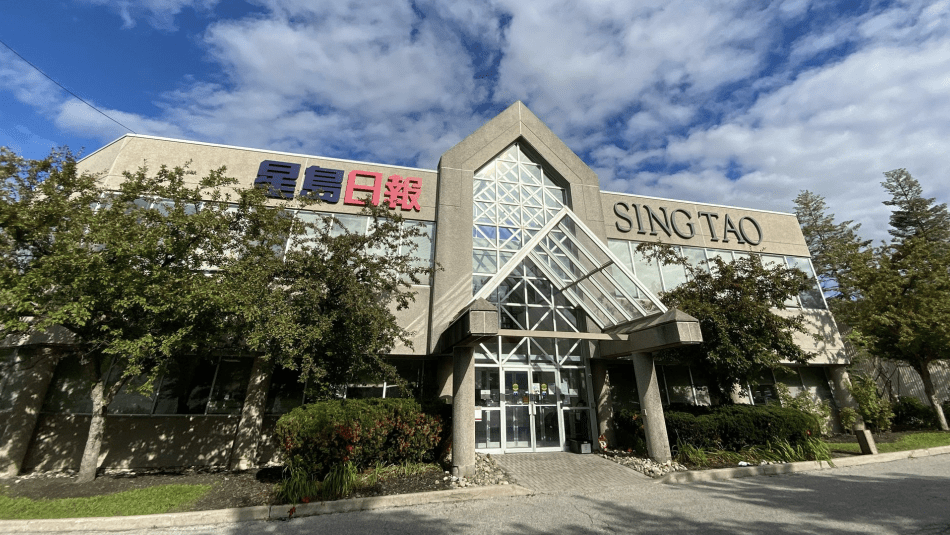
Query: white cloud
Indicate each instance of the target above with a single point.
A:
(579, 64)
(159, 13)
(834, 130)
(661, 97)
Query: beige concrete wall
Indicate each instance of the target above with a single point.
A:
(822, 337)
(415, 319)
(452, 287)
(780, 234)
(131, 152)
(133, 441)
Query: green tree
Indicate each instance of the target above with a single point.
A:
(326, 307)
(905, 309)
(836, 248)
(162, 266)
(741, 307)
(124, 276)
(914, 215)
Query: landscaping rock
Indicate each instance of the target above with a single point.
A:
(646, 466)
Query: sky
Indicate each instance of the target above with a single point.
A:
(742, 103)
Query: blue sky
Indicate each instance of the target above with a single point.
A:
(729, 102)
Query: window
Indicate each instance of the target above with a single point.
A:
(661, 278)
(7, 392)
(185, 388)
(230, 386)
(69, 391)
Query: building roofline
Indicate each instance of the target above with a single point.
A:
(282, 153)
(697, 202)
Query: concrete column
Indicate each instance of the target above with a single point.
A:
(605, 409)
(244, 451)
(840, 383)
(840, 386)
(651, 407)
(444, 377)
(463, 412)
(32, 372)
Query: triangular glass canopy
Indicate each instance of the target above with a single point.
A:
(583, 270)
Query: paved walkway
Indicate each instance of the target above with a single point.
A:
(562, 471)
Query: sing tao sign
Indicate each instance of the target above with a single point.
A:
(683, 223)
(280, 181)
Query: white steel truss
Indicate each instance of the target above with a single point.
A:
(584, 270)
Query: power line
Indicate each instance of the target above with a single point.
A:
(48, 77)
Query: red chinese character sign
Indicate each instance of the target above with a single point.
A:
(403, 192)
(280, 181)
(352, 186)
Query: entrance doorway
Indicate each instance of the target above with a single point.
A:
(535, 407)
(531, 415)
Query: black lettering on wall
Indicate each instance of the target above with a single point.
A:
(690, 225)
(636, 211)
(728, 227)
(663, 223)
(709, 216)
(623, 215)
(745, 235)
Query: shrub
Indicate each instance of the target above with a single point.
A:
(806, 402)
(874, 408)
(911, 413)
(628, 431)
(810, 449)
(319, 436)
(848, 418)
(733, 427)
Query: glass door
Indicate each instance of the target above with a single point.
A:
(547, 427)
(530, 406)
(517, 411)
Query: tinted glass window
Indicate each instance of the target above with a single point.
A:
(185, 389)
(130, 400)
(69, 391)
(6, 371)
(286, 391)
(230, 386)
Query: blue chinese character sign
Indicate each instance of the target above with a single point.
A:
(327, 185)
(279, 178)
(324, 184)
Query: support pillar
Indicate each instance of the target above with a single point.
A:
(244, 451)
(463, 412)
(444, 377)
(605, 409)
(651, 407)
(32, 372)
(841, 384)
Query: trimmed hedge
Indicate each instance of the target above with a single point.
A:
(911, 414)
(317, 436)
(726, 427)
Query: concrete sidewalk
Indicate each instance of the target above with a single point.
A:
(565, 472)
(543, 473)
(799, 467)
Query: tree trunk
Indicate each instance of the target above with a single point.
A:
(924, 370)
(90, 454)
(102, 395)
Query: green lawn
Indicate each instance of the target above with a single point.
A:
(910, 442)
(133, 502)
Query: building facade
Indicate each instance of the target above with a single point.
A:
(538, 327)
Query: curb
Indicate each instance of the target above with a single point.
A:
(796, 467)
(262, 512)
